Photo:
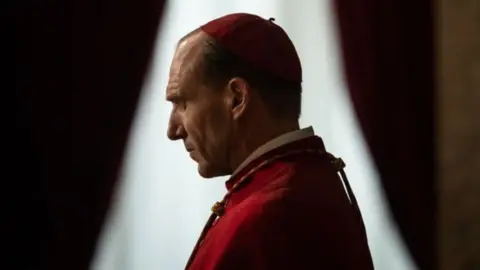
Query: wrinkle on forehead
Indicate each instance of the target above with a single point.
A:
(185, 67)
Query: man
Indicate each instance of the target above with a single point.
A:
(235, 86)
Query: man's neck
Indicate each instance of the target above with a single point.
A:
(261, 135)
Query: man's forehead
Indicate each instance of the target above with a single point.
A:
(190, 46)
(172, 90)
(188, 54)
(185, 62)
(194, 35)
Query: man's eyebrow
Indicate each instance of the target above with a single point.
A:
(174, 96)
(171, 97)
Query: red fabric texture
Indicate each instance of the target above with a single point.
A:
(388, 51)
(293, 214)
(258, 41)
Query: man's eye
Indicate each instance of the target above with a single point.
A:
(181, 104)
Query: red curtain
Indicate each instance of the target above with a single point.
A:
(79, 67)
(388, 56)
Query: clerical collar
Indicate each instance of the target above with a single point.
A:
(276, 143)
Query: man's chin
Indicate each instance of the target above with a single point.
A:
(208, 172)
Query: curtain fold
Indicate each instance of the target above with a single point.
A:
(388, 54)
(79, 67)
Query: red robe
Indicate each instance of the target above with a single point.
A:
(293, 214)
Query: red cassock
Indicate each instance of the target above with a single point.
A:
(290, 212)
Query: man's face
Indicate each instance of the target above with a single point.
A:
(200, 116)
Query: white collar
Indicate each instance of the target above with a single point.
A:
(276, 143)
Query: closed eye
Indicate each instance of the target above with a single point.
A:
(178, 102)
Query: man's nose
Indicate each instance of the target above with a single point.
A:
(175, 131)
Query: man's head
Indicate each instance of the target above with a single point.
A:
(226, 102)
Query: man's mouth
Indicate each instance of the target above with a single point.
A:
(191, 154)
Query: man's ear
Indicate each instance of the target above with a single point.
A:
(239, 94)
